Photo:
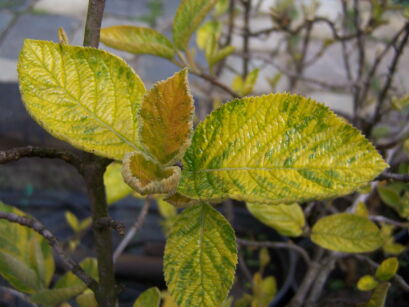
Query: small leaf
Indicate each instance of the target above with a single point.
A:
(378, 296)
(86, 299)
(221, 54)
(26, 259)
(387, 269)
(115, 187)
(264, 290)
(84, 96)
(392, 248)
(189, 15)
(288, 220)
(166, 119)
(200, 257)
(347, 233)
(264, 257)
(72, 220)
(148, 298)
(366, 283)
(274, 149)
(361, 210)
(209, 30)
(146, 176)
(138, 40)
(62, 36)
(250, 81)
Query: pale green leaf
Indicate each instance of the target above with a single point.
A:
(264, 290)
(189, 15)
(288, 220)
(115, 187)
(148, 298)
(277, 148)
(366, 283)
(221, 54)
(86, 299)
(146, 176)
(209, 30)
(26, 259)
(85, 96)
(221, 7)
(72, 220)
(361, 210)
(345, 232)
(387, 269)
(138, 40)
(264, 257)
(166, 119)
(200, 257)
(250, 81)
(378, 296)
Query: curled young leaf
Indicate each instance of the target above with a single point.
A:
(138, 40)
(200, 257)
(84, 96)
(166, 119)
(277, 148)
(348, 233)
(146, 176)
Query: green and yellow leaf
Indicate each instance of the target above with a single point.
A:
(378, 296)
(85, 96)
(26, 259)
(200, 257)
(86, 299)
(146, 176)
(189, 16)
(115, 187)
(148, 298)
(166, 119)
(264, 290)
(180, 201)
(288, 220)
(138, 40)
(348, 233)
(72, 221)
(209, 30)
(366, 283)
(361, 210)
(387, 269)
(277, 148)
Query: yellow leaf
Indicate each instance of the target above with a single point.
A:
(166, 119)
(361, 210)
(138, 40)
(189, 15)
(366, 283)
(288, 220)
(200, 257)
(387, 269)
(378, 296)
(264, 290)
(72, 220)
(85, 96)
(145, 176)
(264, 257)
(209, 30)
(348, 233)
(274, 149)
(148, 298)
(180, 201)
(115, 187)
(86, 299)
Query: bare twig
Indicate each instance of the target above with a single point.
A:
(393, 177)
(268, 244)
(383, 219)
(215, 82)
(68, 263)
(93, 22)
(133, 230)
(246, 37)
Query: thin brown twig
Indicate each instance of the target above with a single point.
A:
(393, 177)
(68, 263)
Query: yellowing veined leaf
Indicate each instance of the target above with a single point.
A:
(85, 96)
(277, 148)
(166, 119)
(378, 296)
(209, 30)
(264, 290)
(67, 287)
(72, 220)
(138, 40)
(26, 259)
(148, 298)
(387, 269)
(366, 283)
(361, 210)
(288, 220)
(180, 201)
(200, 257)
(168, 301)
(115, 187)
(345, 232)
(189, 15)
(146, 176)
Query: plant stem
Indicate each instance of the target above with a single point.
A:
(93, 22)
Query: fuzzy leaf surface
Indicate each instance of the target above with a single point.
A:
(166, 119)
(84, 96)
(200, 257)
(348, 233)
(277, 148)
(189, 15)
(288, 220)
(138, 40)
(26, 259)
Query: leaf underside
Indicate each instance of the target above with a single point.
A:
(277, 148)
(200, 257)
(84, 96)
